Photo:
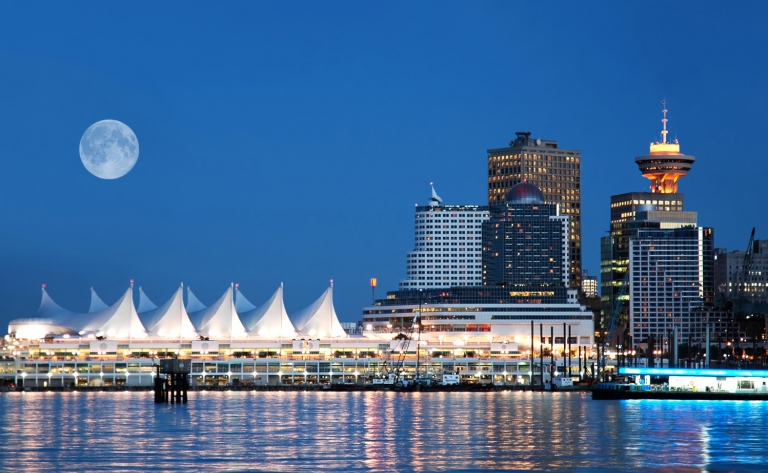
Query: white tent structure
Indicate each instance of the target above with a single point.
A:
(220, 320)
(49, 319)
(270, 320)
(242, 304)
(169, 320)
(96, 303)
(319, 320)
(51, 310)
(120, 320)
(145, 305)
(193, 303)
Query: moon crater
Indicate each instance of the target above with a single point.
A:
(109, 149)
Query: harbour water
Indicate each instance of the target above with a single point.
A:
(378, 431)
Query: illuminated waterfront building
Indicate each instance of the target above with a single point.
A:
(555, 171)
(234, 342)
(448, 245)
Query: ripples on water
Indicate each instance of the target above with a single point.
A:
(340, 431)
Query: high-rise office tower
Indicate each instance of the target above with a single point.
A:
(447, 246)
(642, 212)
(672, 274)
(556, 171)
(525, 243)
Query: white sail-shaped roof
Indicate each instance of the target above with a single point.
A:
(270, 320)
(193, 303)
(170, 319)
(220, 320)
(120, 320)
(51, 310)
(50, 318)
(241, 303)
(319, 319)
(145, 305)
(96, 303)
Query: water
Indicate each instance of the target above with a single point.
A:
(356, 431)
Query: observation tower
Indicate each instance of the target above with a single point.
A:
(665, 164)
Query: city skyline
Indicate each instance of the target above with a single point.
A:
(270, 158)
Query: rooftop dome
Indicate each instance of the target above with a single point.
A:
(526, 193)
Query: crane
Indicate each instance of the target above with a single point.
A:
(738, 300)
(740, 303)
(397, 361)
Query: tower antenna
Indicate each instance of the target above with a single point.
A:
(664, 121)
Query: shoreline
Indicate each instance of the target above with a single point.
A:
(307, 387)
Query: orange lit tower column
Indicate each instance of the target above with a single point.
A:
(665, 164)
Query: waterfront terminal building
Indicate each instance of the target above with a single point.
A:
(524, 304)
(233, 342)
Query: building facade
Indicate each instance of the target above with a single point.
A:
(486, 318)
(556, 171)
(526, 242)
(729, 274)
(447, 246)
(630, 213)
(589, 284)
(671, 275)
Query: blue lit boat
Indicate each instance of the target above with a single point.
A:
(686, 383)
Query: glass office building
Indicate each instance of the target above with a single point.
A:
(526, 243)
(555, 171)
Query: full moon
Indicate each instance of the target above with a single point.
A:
(109, 149)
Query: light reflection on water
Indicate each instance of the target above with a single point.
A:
(335, 431)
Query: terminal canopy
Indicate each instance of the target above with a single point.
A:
(242, 304)
(319, 319)
(219, 320)
(51, 310)
(96, 303)
(145, 305)
(270, 320)
(193, 303)
(169, 320)
(120, 320)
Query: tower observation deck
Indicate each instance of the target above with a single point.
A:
(665, 165)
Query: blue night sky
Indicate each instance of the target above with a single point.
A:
(289, 142)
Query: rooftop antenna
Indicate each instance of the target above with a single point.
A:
(664, 121)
